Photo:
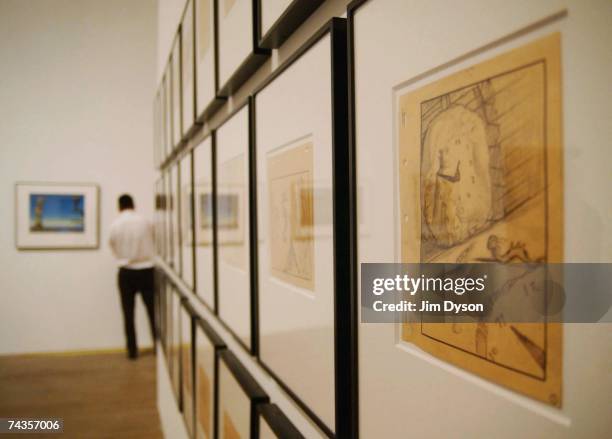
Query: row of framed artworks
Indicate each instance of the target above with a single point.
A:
(218, 45)
(254, 218)
(301, 191)
(214, 392)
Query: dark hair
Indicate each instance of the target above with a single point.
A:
(126, 202)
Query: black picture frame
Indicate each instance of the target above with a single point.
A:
(202, 328)
(256, 58)
(345, 341)
(197, 141)
(177, 140)
(282, 427)
(292, 17)
(254, 338)
(185, 393)
(175, 368)
(249, 386)
(191, 256)
(211, 107)
(194, 123)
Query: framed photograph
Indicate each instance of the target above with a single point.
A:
(175, 217)
(465, 131)
(177, 92)
(239, 395)
(187, 70)
(232, 206)
(204, 221)
(187, 366)
(239, 55)
(280, 18)
(273, 424)
(54, 216)
(206, 61)
(302, 225)
(207, 347)
(186, 209)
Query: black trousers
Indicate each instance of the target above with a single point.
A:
(131, 282)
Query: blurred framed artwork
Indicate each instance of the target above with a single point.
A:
(302, 222)
(56, 216)
(187, 377)
(207, 346)
(204, 216)
(232, 224)
(206, 77)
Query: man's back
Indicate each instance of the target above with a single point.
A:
(132, 242)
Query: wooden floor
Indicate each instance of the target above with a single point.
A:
(97, 396)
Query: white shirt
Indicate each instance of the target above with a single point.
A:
(132, 241)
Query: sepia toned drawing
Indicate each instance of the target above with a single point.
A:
(231, 211)
(480, 181)
(229, 430)
(291, 214)
(204, 402)
(204, 29)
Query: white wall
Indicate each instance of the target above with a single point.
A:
(77, 79)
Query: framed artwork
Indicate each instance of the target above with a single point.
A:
(167, 205)
(234, 304)
(302, 224)
(208, 345)
(468, 156)
(239, 55)
(187, 366)
(188, 70)
(239, 395)
(186, 208)
(204, 221)
(167, 110)
(175, 367)
(206, 62)
(177, 92)
(505, 186)
(157, 143)
(175, 217)
(280, 18)
(273, 424)
(54, 216)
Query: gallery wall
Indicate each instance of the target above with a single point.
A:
(75, 106)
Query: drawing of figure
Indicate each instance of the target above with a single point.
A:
(460, 167)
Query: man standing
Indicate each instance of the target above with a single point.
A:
(132, 243)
